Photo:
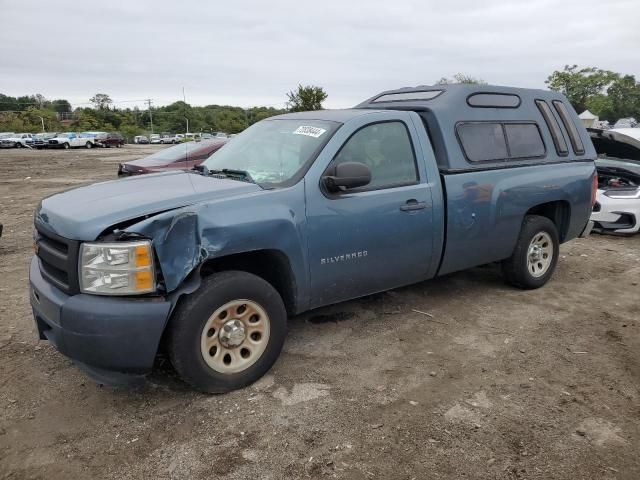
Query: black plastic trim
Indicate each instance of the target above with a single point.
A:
(454, 171)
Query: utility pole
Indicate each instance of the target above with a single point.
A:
(150, 114)
(42, 120)
(184, 107)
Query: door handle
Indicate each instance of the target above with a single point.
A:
(412, 205)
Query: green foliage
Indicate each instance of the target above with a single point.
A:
(605, 93)
(306, 98)
(580, 84)
(22, 114)
(461, 78)
(101, 101)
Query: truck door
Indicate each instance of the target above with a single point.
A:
(376, 237)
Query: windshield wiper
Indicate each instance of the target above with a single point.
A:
(233, 174)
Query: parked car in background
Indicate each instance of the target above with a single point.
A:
(71, 140)
(41, 140)
(107, 140)
(626, 123)
(6, 134)
(141, 139)
(206, 136)
(17, 140)
(154, 138)
(617, 208)
(183, 156)
(168, 138)
(220, 135)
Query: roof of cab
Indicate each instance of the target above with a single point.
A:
(341, 116)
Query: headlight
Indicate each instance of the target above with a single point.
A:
(122, 268)
(625, 193)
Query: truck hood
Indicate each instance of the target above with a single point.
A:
(85, 212)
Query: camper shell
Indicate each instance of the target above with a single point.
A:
(444, 109)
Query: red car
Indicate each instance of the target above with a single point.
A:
(179, 157)
(110, 140)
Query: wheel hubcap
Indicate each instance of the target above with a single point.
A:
(235, 336)
(540, 254)
(232, 334)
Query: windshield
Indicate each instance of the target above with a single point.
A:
(274, 151)
(173, 154)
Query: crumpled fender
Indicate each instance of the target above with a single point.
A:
(185, 238)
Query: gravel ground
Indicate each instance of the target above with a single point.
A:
(493, 383)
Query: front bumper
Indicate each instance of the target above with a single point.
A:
(616, 215)
(110, 338)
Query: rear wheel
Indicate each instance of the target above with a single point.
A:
(18, 145)
(66, 145)
(536, 254)
(229, 333)
(88, 145)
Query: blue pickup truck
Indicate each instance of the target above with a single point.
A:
(304, 210)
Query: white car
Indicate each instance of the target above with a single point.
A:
(17, 140)
(167, 138)
(71, 140)
(154, 138)
(617, 208)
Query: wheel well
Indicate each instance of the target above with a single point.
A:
(270, 265)
(559, 212)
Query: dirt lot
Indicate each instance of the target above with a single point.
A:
(493, 383)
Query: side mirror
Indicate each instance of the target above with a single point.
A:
(347, 175)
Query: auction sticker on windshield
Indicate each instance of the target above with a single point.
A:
(314, 132)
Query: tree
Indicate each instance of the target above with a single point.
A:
(101, 101)
(61, 106)
(306, 98)
(461, 78)
(580, 84)
(624, 96)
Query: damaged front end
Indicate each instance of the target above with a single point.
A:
(617, 207)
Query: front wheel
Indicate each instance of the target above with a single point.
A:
(88, 145)
(66, 146)
(18, 145)
(536, 254)
(229, 333)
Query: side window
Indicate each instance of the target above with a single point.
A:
(483, 141)
(574, 136)
(387, 150)
(552, 124)
(487, 141)
(524, 140)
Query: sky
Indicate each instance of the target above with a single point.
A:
(250, 52)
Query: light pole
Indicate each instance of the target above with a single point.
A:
(187, 124)
(42, 120)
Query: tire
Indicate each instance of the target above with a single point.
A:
(66, 146)
(535, 256)
(203, 332)
(18, 145)
(88, 145)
